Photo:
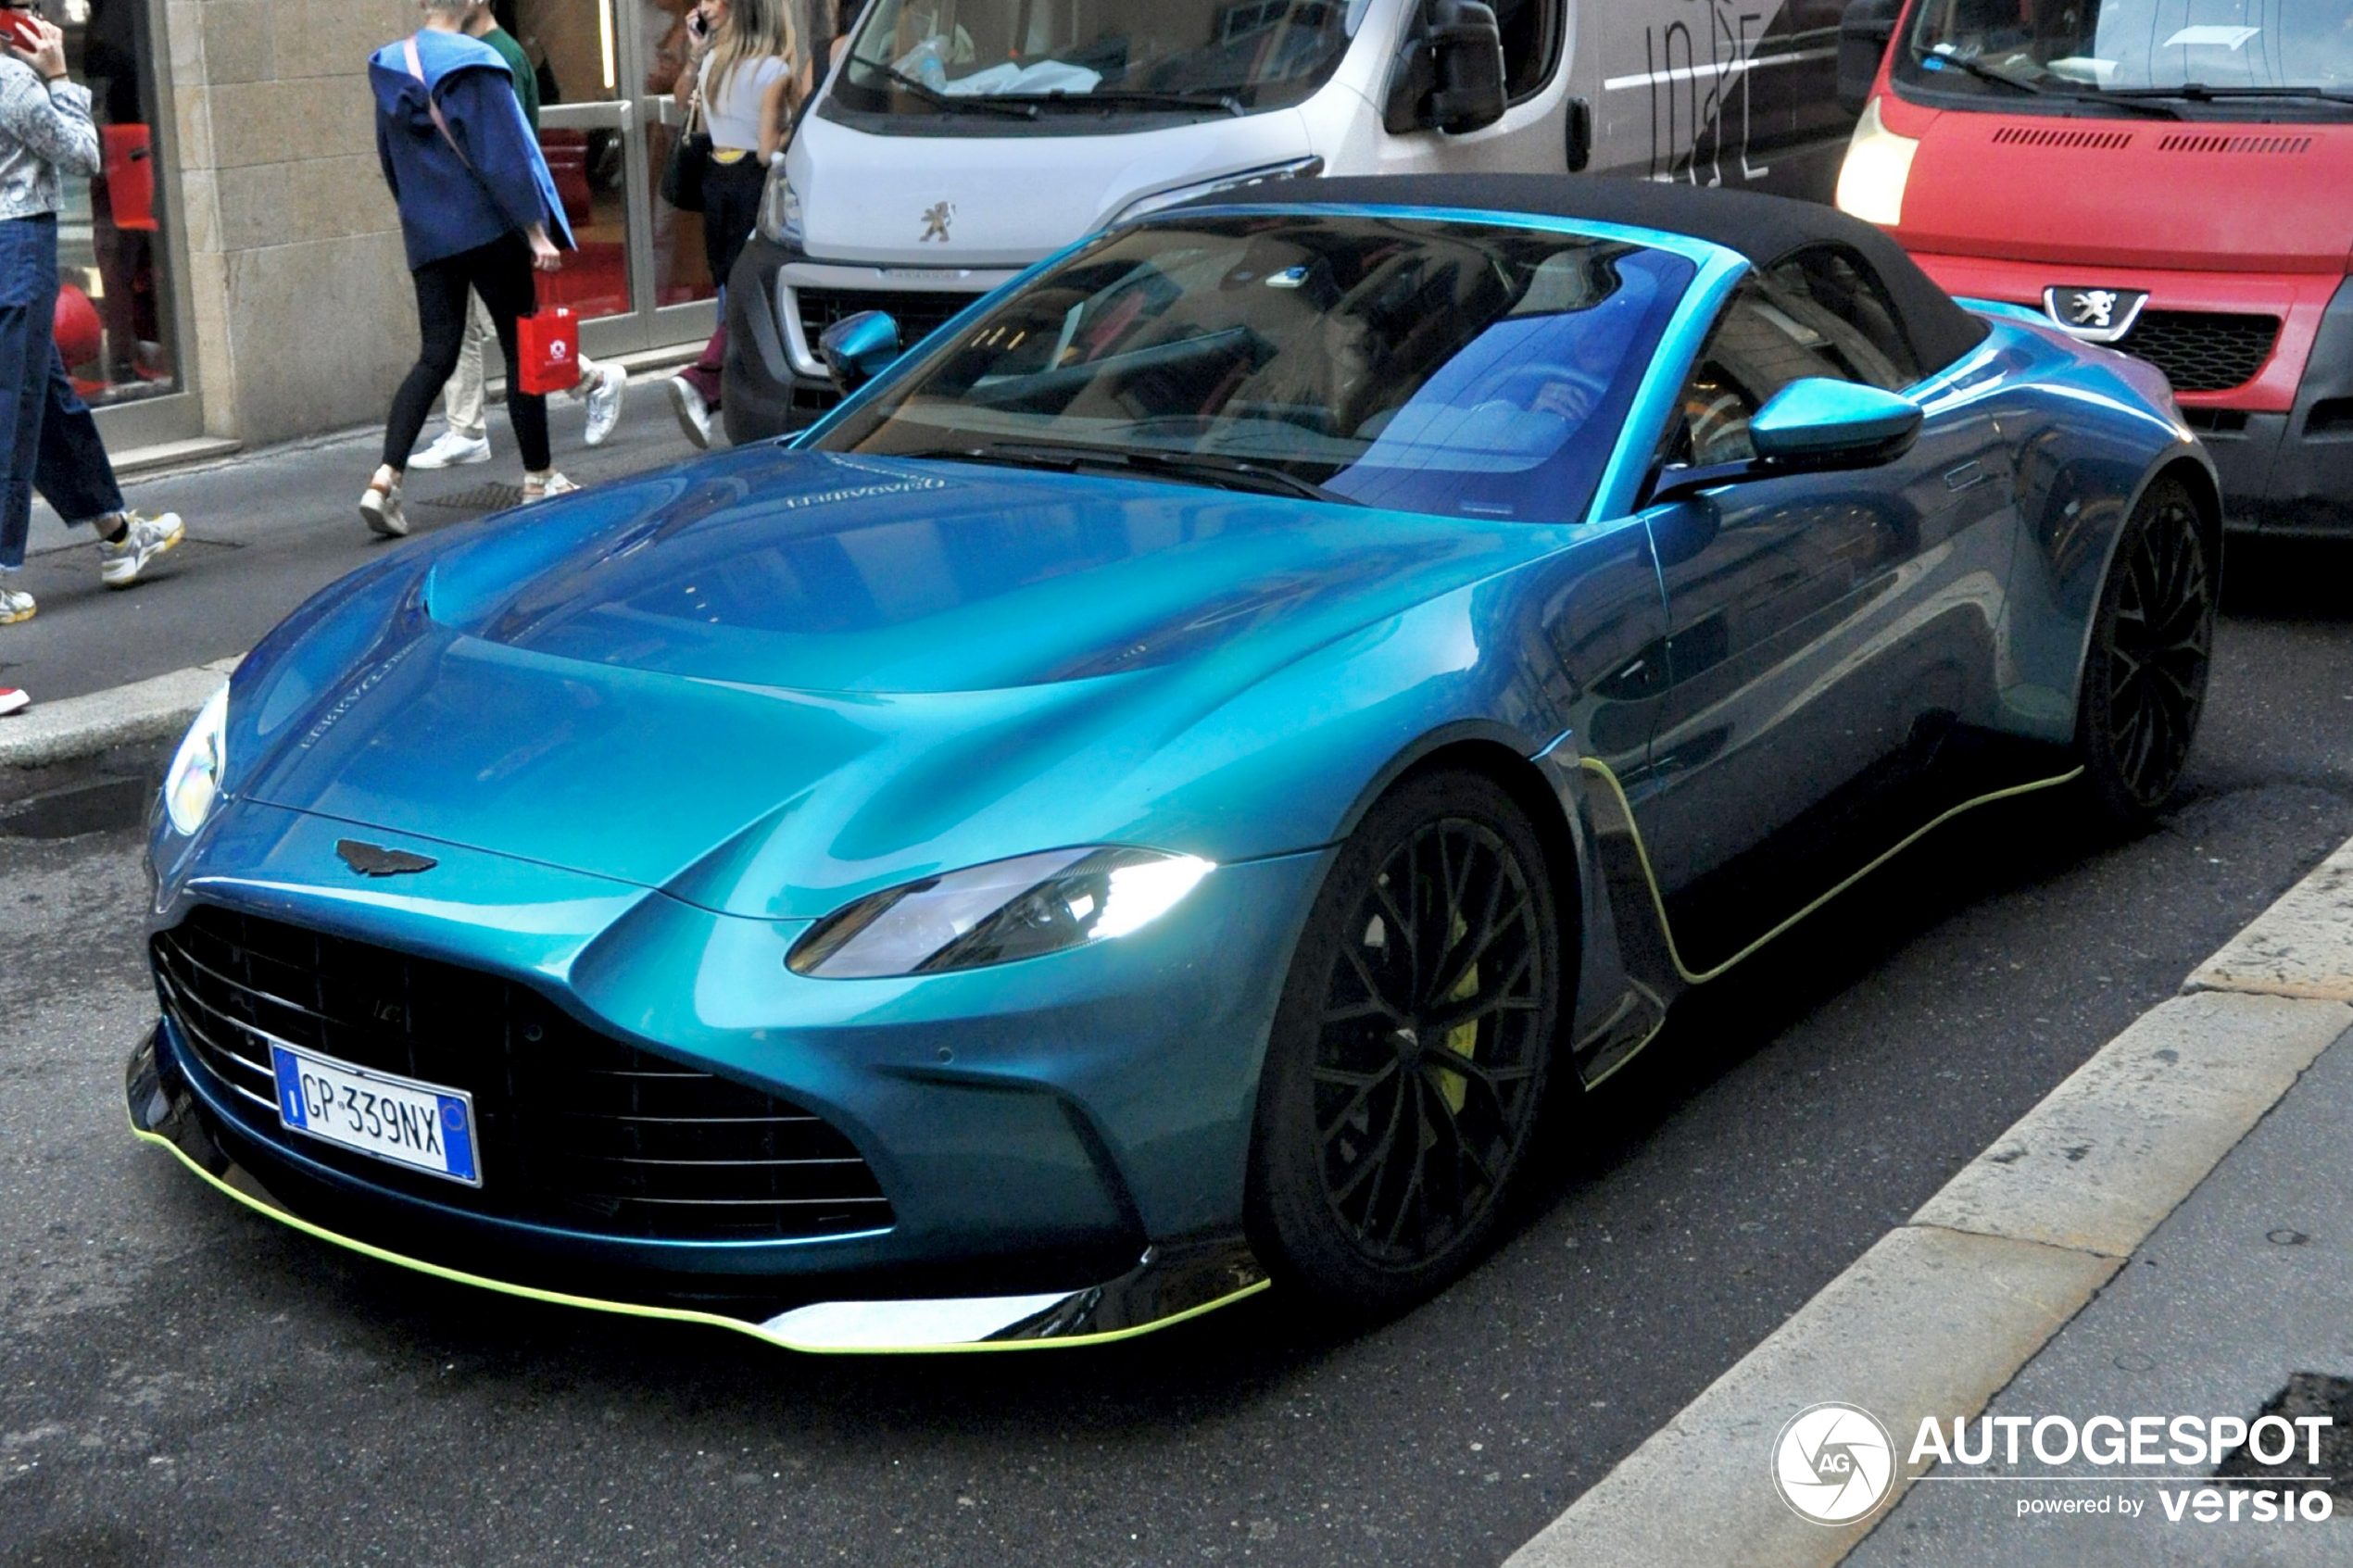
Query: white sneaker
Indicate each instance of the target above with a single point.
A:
(694, 414)
(143, 539)
(15, 605)
(449, 450)
(604, 402)
(13, 701)
(543, 487)
(382, 511)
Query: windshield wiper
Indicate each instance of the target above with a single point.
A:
(951, 102)
(1984, 72)
(1191, 98)
(2199, 93)
(1198, 468)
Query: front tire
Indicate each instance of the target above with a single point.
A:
(2145, 675)
(1410, 1053)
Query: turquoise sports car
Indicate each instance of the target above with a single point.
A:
(1169, 789)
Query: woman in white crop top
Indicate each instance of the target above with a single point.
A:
(749, 69)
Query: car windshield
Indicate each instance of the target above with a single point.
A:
(1094, 55)
(1417, 366)
(2184, 51)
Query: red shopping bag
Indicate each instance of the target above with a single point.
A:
(129, 165)
(547, 345)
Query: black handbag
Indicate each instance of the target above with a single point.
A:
(682, 177)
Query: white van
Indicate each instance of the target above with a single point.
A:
(958, 141)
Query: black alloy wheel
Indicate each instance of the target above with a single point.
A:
(1409, 1056)
(2144, 676)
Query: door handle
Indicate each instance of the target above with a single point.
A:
(1969, 473)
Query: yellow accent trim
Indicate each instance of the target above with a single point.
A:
(677, 1314)
(1658, 901)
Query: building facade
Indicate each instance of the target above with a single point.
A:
(238, 264)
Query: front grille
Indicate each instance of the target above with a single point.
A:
(576, 1128)
(2202, 350)
(917, 314)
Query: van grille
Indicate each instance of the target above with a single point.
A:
(2040, 136)
(2201, 350)
(577, 1129)
(916, 313)
(2187, 143)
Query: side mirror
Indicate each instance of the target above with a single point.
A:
(858, 349)
(1450, 74)
(1818, 423)
(1863, 33)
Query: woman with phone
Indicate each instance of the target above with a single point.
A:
(749, 71)
(48, 442)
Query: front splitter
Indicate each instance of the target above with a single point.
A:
(1166, 1287)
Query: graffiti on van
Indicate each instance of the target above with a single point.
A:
(1717, 89)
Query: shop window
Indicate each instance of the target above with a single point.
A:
(114, 313)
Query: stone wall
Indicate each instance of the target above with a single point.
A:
(303, 318)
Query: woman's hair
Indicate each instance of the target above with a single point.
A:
(453, 10)
(753, 30)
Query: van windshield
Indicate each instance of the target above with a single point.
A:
(1448, 368)
(1039, 57)
(2196, 57)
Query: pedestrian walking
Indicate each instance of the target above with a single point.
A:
(748, 80)
(49, 443)
(479, 215)
(465, 436)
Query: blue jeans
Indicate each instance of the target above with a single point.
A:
(48, 442)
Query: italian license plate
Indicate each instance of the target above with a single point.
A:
(422, 1126)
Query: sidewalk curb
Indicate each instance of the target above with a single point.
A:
(1942, 1312)
(156, 708)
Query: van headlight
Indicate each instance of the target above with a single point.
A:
(192, 783)
(992, 914)
(1878, 165)
(780, 221)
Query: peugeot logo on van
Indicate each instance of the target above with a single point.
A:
(937, 217)
(2095, 315)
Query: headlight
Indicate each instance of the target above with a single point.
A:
(780, 221)
(193, 782)
(1298, 169)
(996, 913)
(1878, 165)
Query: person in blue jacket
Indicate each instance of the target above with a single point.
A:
(479, 211)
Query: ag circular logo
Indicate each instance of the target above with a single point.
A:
(1833, 1463)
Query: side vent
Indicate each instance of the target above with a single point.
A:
(2085, 141)
(2192, 144)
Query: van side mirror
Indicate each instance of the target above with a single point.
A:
(1449, 76)
(1863, 33)
(858, 349)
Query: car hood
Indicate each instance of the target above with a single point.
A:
(2209, 196)
(771, 681)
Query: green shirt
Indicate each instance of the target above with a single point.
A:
(526, 78)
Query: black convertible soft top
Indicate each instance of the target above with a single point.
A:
(1767, 230)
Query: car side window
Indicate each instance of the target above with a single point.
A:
(1849, 296)
(1766, 339)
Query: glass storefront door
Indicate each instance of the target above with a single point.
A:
(607, 123)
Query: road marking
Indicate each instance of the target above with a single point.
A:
(1942, 1311)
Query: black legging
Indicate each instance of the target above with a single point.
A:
(731, 206)
(501, 272)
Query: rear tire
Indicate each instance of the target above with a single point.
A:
(1410, 1053)
(2145, 674)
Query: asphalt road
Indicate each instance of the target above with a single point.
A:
(181, 1383)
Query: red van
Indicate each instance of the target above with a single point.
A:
(2172, 178)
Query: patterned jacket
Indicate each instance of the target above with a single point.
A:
(44, 131)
